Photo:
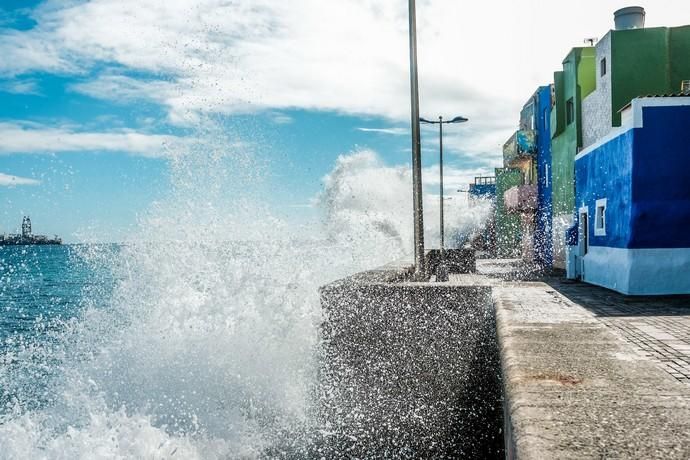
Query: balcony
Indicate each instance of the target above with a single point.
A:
(522, 198)
(522, 144)
(483, 187)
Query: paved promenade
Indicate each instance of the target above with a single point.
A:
(589, 373)
(656, 327)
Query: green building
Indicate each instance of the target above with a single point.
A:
(508, 225)
(571, 85)
(632, 63)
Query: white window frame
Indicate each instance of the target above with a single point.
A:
(600, 220)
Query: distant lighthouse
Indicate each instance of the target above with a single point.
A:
(26, 227)
(27, 236)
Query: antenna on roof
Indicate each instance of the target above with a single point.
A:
(591, 41)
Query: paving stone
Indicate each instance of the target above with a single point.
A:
(589, 373)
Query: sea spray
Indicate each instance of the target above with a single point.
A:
(368, 204)
(207, 344)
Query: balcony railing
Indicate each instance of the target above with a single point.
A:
(521, 198)
(485, 180)
(521, 144)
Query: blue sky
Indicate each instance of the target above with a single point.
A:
(95, 97)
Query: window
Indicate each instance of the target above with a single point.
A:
(569, 111)
(600, 218)
(602, 67)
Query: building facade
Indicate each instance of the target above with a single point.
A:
(520, 200)
(543, 240)
(663, 53)
(633, 201)
(571, 85)
(482, 190)
(588, 167)
(529, 150)
(508, 226)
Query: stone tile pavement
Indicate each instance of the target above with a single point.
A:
(587, 372)
(656, 327)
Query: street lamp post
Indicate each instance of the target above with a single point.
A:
(416, 149)
(442, 273)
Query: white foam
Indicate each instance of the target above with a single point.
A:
(207, 346)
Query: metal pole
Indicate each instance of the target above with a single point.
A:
(416, 148)
(440, 157)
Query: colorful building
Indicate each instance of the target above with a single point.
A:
(633, 63)
(633, 201)
(508, 226)
(571, 86)
(543, 239)
(614, 187)
(484, 189)
(519, 152)
(529, 150)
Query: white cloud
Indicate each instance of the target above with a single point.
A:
(301, 205)
(453, 178)
(122, 89)
(35, 138)
(19, 86)
(7, 180)
(481, 59)
(281, 119)
(393, 131)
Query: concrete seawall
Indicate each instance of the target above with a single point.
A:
(414, 365)
(410, 369)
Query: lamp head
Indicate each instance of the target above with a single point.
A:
(459, 120)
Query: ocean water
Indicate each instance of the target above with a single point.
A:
(42, 289)
(204, 350)
(198, 337)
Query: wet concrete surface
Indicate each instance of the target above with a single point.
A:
(584, 372)
(576, 386)
(410, 369)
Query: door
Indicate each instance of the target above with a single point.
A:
(582, 241)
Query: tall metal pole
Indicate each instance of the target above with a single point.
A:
(416, 147)
(440, 158)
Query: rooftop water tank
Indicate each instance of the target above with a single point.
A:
(631, 17)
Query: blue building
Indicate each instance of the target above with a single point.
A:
(484, 187)
(543, 241)
(529, 150)
(483, 190)
(633, 201)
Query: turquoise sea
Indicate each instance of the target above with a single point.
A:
(41, 288)
(183, 349)
(192, 349)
